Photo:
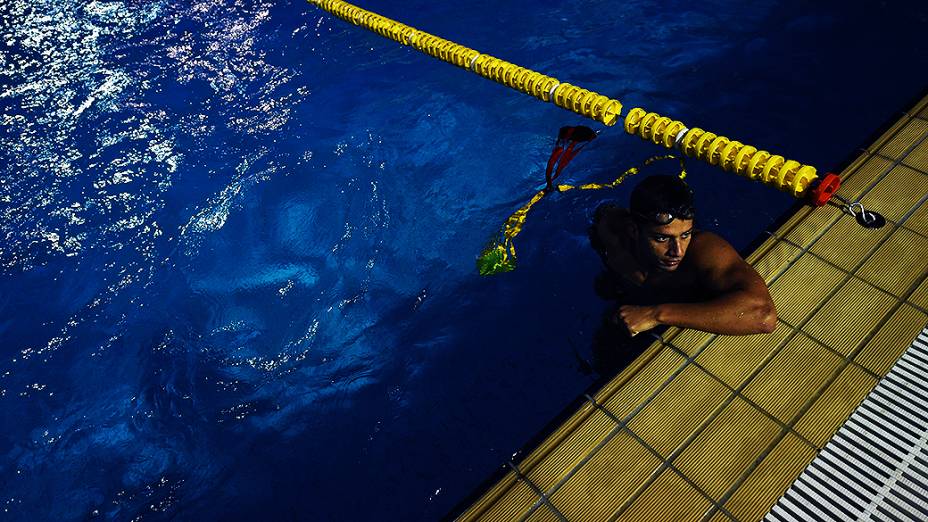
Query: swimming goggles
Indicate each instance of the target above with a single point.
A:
(665, 217)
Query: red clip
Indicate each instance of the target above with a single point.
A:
(825, 189)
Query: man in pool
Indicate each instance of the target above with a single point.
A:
(663, 271)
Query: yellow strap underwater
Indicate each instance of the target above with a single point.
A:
(500, 253)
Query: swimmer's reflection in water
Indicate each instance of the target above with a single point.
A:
(660, 270)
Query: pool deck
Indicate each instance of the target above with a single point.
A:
(716, 428)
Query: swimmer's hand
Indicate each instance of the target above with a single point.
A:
(638, 318)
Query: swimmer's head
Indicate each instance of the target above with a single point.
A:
(660, 199)
(663, 212)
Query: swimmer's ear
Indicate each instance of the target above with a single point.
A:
(633, 230)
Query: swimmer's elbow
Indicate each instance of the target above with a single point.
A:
(767, 325)
(767, 318)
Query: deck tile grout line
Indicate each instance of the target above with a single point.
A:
(904, 120)
(666, 464)
(895, 162)
(589, 456)
(756, 406)
(910, 213)
(916, 232)
(573, 471)
(825, 346)
(542, 498)
(839, 354)
(904, 164)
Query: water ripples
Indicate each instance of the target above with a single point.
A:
(128, 129)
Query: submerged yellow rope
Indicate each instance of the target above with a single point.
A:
(500, 254)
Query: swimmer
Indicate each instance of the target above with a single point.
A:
(666, 272)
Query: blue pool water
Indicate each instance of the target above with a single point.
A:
(237, 237)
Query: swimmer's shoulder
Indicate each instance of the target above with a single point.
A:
(709, 243)
(711, 252)
(612, 220)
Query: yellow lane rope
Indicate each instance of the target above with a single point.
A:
(731, 155)
(581, 101)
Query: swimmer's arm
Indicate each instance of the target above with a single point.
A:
(742, 305)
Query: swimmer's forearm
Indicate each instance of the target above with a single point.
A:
(739, 313)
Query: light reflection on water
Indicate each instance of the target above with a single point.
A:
(114, 138)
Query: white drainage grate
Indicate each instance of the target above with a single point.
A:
(876, 465)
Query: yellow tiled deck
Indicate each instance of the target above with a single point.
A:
(715, 428)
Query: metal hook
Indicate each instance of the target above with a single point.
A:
(850, 208)
(866, 218)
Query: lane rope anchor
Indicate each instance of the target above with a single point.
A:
(866, 218)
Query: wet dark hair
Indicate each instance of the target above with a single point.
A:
(660, 194)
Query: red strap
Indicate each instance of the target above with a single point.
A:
(555, 155)
(562, 155)
(569, 154)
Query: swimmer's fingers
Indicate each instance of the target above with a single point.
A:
(618, 318)
(638, 318)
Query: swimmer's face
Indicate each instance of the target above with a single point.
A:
(663, 246)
